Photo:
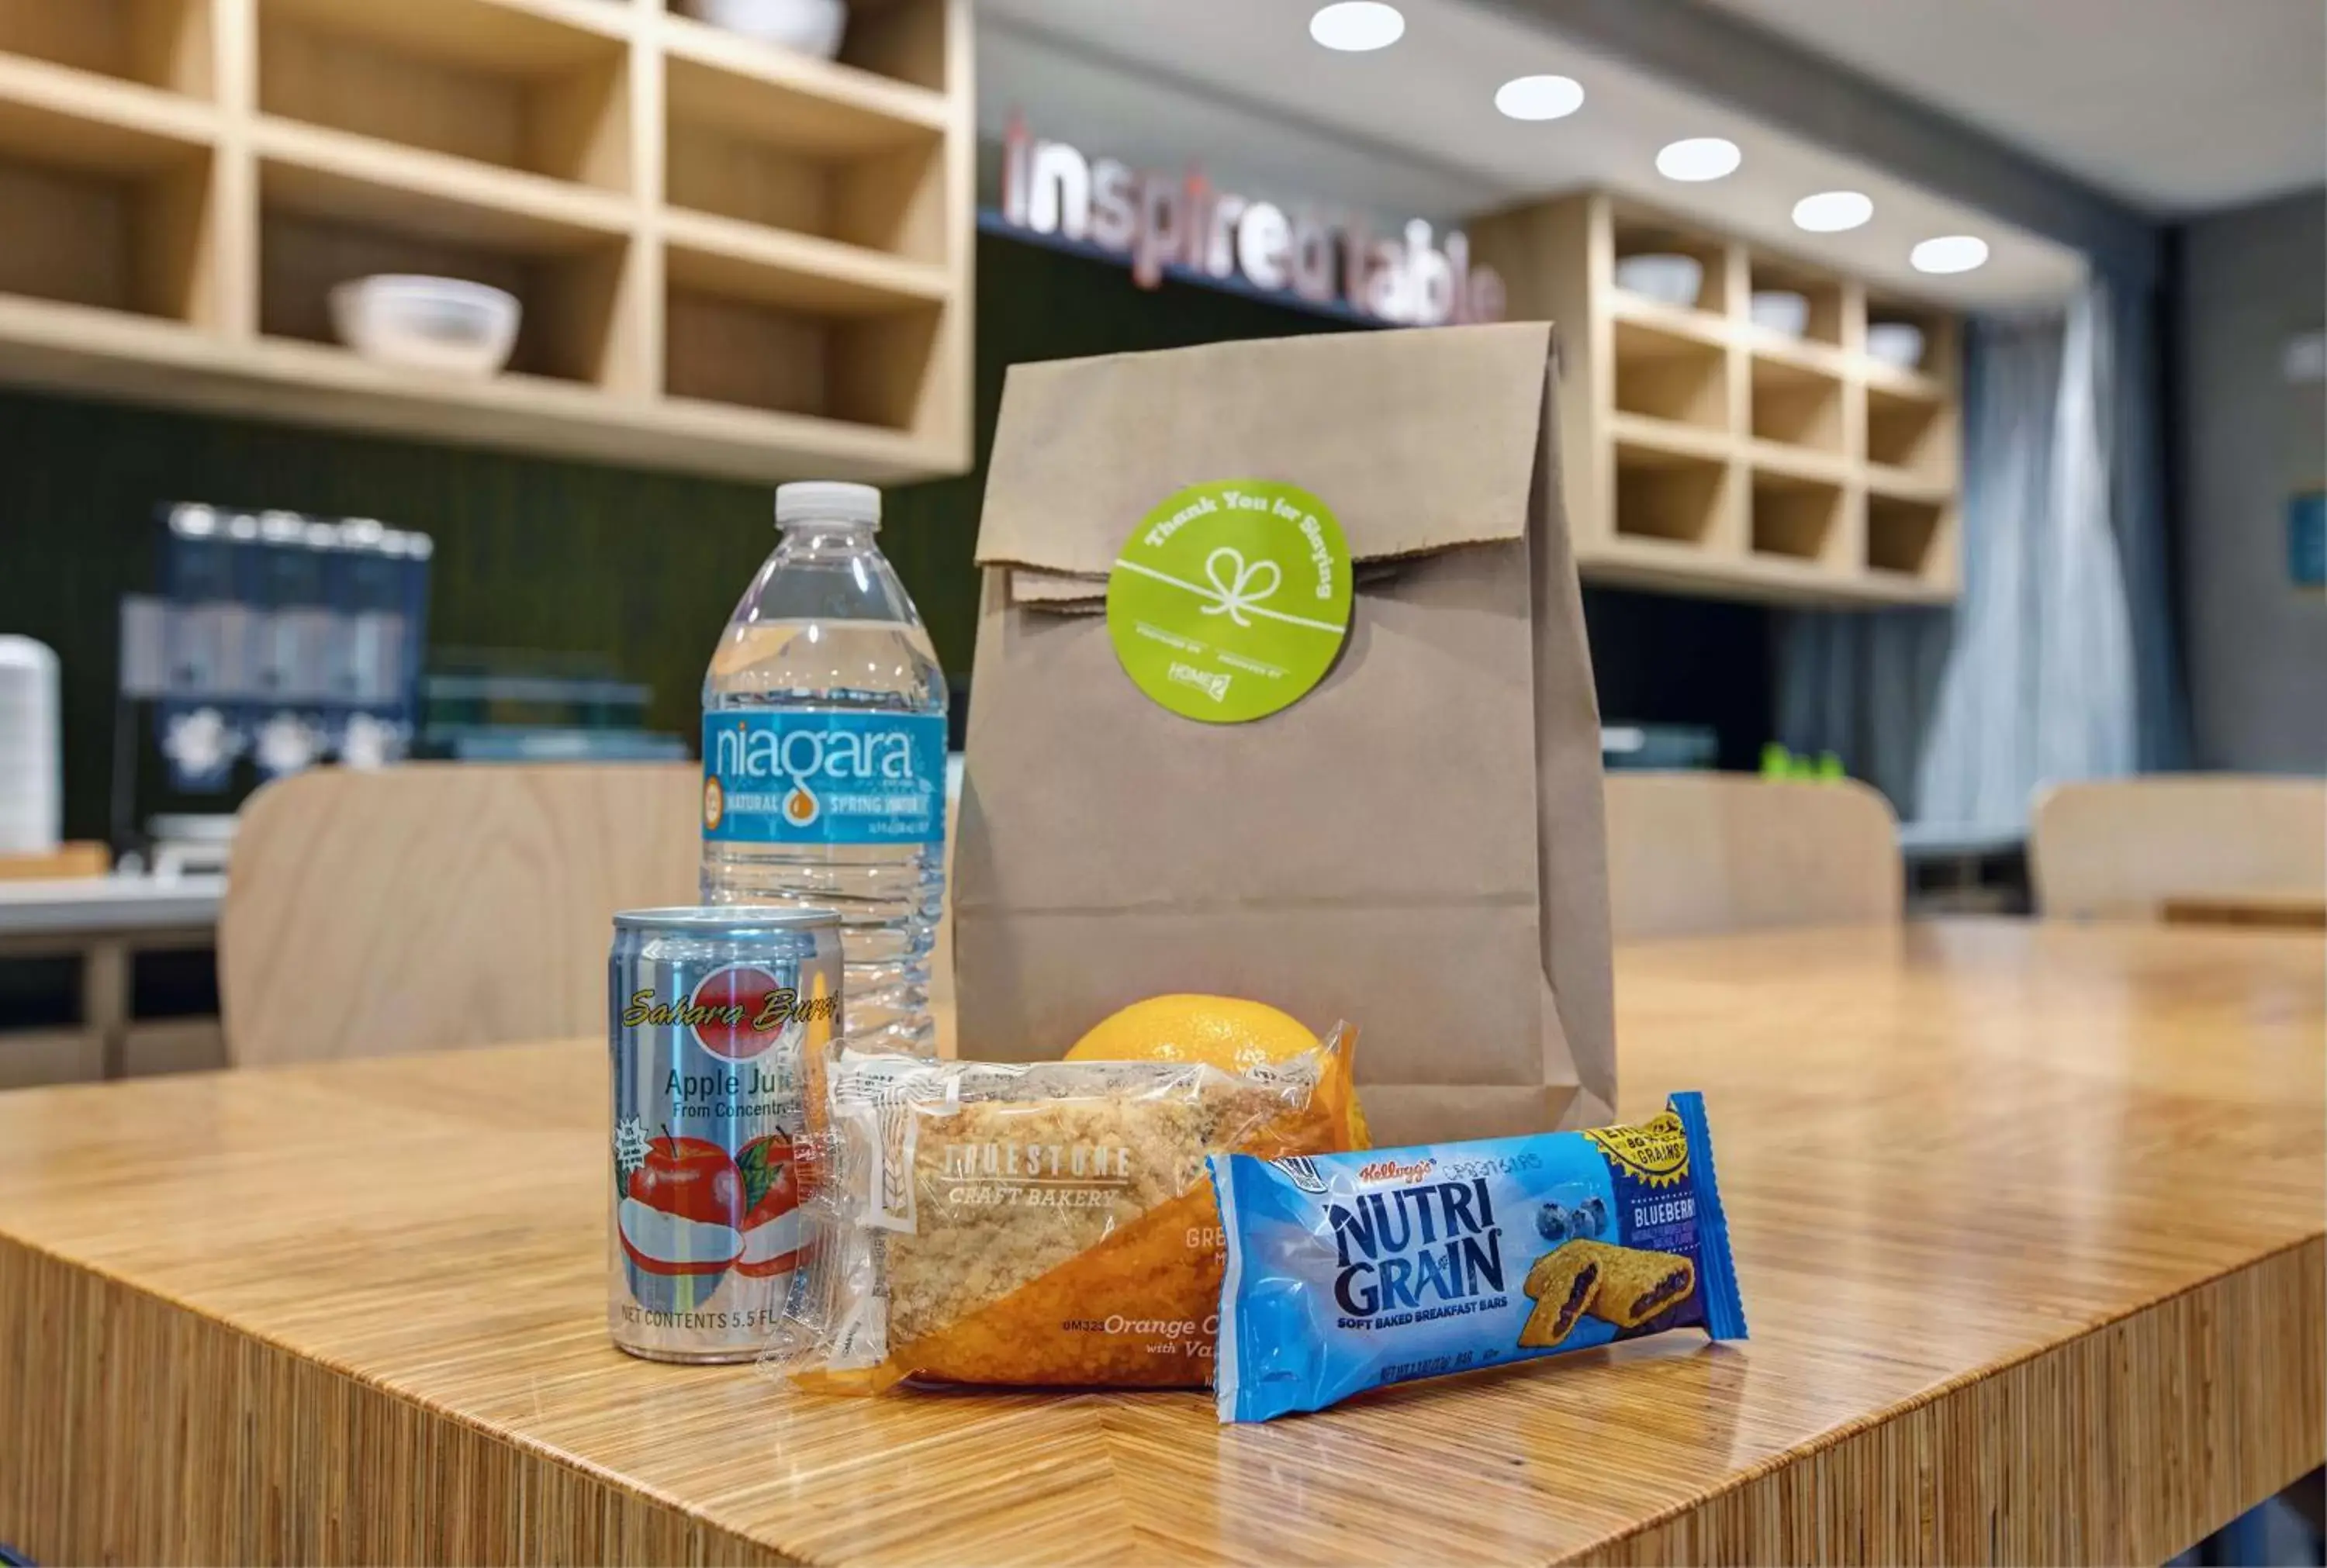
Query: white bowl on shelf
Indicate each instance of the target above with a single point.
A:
(1899, 344)
(1667, 277)
(428, 323)
(809, 26)
(1779, 310)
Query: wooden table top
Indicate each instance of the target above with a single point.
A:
(2290, 911)
(2028, 1220)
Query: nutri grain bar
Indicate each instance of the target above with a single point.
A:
(1350, 1271)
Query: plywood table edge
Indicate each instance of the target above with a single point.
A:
(1815, 1515)
(589, 1492)
(1693, 1530)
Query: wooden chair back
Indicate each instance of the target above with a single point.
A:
(2121, 848)
(437, 905)
(1695, 853)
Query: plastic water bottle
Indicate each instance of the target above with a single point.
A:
(824, 757)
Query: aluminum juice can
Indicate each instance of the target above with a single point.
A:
(708, 1013)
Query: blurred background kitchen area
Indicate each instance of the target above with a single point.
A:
(1942, 404)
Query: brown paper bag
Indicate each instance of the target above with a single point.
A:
(1417, 845)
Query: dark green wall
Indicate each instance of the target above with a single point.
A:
(642, 568)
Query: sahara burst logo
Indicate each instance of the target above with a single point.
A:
(736, 1013)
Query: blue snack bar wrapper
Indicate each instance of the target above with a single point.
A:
(1350, 1271)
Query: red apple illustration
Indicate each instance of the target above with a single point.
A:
(771, 1225)
(687, 1179)
(692, 1178)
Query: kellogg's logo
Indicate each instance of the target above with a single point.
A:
(1391, 1171)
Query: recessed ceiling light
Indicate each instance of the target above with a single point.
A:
(1832, 212)
(1950, 252)
(1356, 25)
(1699, 158)
(1540, 97)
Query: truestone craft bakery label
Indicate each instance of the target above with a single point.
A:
(1230, 600)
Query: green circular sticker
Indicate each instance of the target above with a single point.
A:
(1230, 600)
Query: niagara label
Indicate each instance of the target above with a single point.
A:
(794, 776)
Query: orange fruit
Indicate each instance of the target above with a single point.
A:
(1228, 1033)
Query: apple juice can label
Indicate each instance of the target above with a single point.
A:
(709, 1013)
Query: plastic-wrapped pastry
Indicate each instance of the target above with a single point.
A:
(1039, 1223)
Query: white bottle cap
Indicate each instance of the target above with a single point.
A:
(828, 500)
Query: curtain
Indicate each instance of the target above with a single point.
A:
(2161, 701)
(2037, 673)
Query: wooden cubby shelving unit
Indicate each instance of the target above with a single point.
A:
(1704, 454)
(733, 259)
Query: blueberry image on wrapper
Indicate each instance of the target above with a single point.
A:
(1571, 1214)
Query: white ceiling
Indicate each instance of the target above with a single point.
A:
(2175, 106)
(1411, 130)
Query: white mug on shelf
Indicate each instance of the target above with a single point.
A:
(1668, 277)
(32, 765)
(429, 323)
(1780, 310)
(809, 26)
(1899, 344)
